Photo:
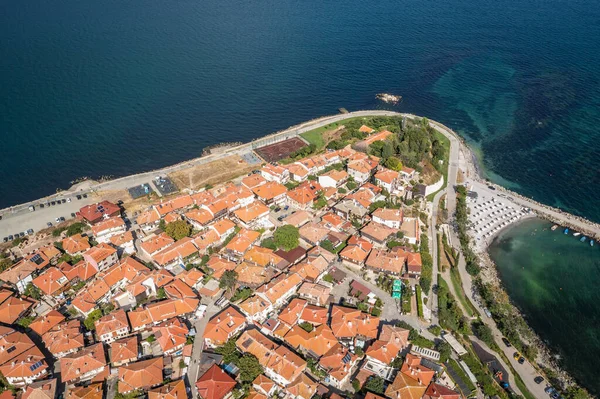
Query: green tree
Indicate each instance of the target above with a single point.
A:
(445, 350)
(287, 237)
(5, 263)
(228, 280)
(249, 367)
(393, 163)
(229, 352)
(375, 384)
(575, 392)
(25, 321)
(75, 228)
(356, 385)
(90, 321)
(33, 292)
(269, 243)
(483, 332)
(178, 229)
(161, 293)
(351, 185)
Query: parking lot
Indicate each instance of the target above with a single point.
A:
(38, 219)
(489, 214)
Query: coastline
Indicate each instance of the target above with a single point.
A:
(472, 170)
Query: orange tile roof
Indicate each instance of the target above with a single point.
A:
(357, 250)
(84, 361)
(223, 226)
(405, 387)
(155, 243)
(191, 277)
(315, 314)
(98, 289)
(314, 291)
(251, 212)
(10, 338)
(305, 193)
(219, 266)
(50, 281)
(111, 323)
(242, 241)
(253, 180)
(269, 190)
(319, 341)
(391, 341)
(273, 170)
(263, 384)
(203, 197)
(413, 369)
(261, 256)
(45, 389)
(206, 239)
(333, 362)
(12, 308)
(251, 275)
(100, 252)
(178, 289)
(128, 269)
(18, 272)
(84, 301)
(50, 251)
(256, 395)
(394, 215)
(386, 261)
(364, 166)
(124, 350)
(366, 129)
(215, 383)
(381, 136)
(202, 216)
(313, 232)
(332, 220)
(303, 387)
(121, 239)
(275, 289)
(45, 323)
(222, 324)
(171, 308)
(378, 231)
(350, 322)
(83, 270)
(107, 224)
(171, 217)
(64, 337)
(75, 244)
(291, 313)
(254, 305)
(299, 218)
(286, 363)
(297, 169)
(21, 366)
(141, 375)
(172, 390)
(308, 271)
(171, 334)
(180, 249)
(337, 175)
(150, 216)
(92, 391)
(386, 175)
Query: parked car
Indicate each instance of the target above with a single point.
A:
(84, 195)
(538, 380)
(41, 205)
(31, 208)
(5, 239)
(521, 360)
(68, 199)
(11, 237)
(57, 220)
(62, 201)
(277, 209)
(53, 203)
(62, 218)
(78, 197)
(30, 231)
(73, 214)
(22, 234)
(516, 355)
(506, 342)
(49, 224)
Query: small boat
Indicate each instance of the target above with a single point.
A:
(566, 231)
(591, 243)
(582, 239)
(576, 234)
(554, 227)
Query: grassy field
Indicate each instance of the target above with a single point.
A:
(315, 136)
(456, 283)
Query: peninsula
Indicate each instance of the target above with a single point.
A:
(338, 258)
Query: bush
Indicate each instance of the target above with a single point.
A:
(328, 277)
(178, 229)
(306, 326)
(287, 237)
(483, 332)
(269, 243)
(351, 185)
(90, 321)
(76, 228)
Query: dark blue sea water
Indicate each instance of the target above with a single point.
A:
(90, 88)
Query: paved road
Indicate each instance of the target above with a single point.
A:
(511, 378)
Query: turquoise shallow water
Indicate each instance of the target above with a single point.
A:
(90, 88)
(553, 278)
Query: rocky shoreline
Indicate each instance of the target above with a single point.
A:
(489, 270)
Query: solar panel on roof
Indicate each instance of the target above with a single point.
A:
(37, 259)
(346, 359)
(11, 349)
(35, 366)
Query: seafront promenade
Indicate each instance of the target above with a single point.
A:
(18, 218)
